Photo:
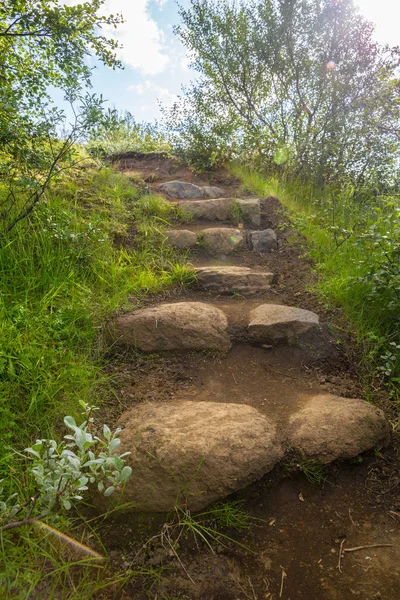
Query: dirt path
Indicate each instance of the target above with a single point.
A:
(304, 542)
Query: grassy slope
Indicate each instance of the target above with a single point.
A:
(61, 276)
(349, 261)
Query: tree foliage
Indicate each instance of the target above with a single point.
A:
(43, 45)
(302, 83)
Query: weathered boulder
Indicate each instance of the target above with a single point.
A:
(233, 279)
(330, 428)
(218, 209)
(180, 326)
(263, 241)
(221, 240)
(183, 189)
(181, 238)
(250, 208)
(274, 323)
(193, 453)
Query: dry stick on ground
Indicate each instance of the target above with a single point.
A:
(394, 514)
(342, 551)
(254, 595)
(252, 589)
(356, 548)
(341, 554)
(351, 518)
(282, 582)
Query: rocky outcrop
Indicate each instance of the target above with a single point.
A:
(263, 241)
(221, 240)
(181, 238)
(193, 453)
(183, 190)
(180, 326)
(276, 323)
(221, 280)
(330, 428)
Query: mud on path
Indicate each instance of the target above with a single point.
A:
(293, 548)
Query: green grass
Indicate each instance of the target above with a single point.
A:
(353, 239)
(95, 242)
(313, 471)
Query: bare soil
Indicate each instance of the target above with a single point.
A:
(293, 550)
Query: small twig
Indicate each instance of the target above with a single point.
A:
(20, 523)
(341, 554)
(394, 514)
(177, 556)
(234, 379)
(252, 589)
(282, 582)
(356, 548)
(351, 518)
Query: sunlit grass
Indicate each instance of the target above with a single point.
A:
(333, 226)
(94, 244)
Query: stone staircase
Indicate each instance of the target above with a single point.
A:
(198, 449)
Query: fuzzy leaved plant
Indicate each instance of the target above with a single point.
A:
(64, 471)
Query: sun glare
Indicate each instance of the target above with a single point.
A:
(386, 15)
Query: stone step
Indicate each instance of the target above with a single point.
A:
(219, 241)
(272, 323)
(181, 238)
(223, 209)
(179, 326)
(201, 326)
(197, 452)
(223, 280)
(184, 190)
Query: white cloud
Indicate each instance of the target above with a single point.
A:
(154, 91)
(141, 38)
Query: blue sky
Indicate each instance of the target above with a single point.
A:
(155, 62)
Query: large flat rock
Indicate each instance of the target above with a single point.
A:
(193, 453)
(223, 209)
(183, 190)
(329, 428)
(221, 280)
(274, 323)
(181, 238)
(180, 326)
(216, 209)
(220, 241)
